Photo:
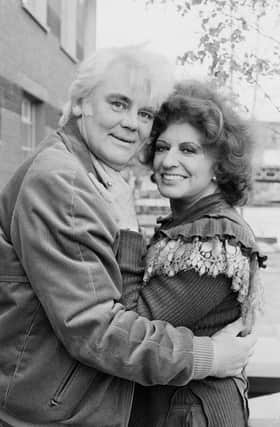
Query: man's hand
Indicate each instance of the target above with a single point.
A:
(231, 353)
(117, 193)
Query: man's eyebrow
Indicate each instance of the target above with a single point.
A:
(149, 109)
(119, 96)
(128, 100)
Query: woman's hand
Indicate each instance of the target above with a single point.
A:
(117, 193)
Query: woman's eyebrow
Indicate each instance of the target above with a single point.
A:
(189, 141)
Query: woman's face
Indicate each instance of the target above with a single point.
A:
(183, 170)
(120, 120)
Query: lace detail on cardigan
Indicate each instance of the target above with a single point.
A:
(214, 256)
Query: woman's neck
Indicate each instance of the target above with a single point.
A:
(180, 207)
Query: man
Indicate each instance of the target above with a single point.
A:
(70, 352)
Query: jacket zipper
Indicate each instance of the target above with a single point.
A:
(56, 400)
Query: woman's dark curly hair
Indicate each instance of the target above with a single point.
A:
(225, 135)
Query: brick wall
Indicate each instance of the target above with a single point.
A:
(32, 63)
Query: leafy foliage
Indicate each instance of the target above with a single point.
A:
(231, 36)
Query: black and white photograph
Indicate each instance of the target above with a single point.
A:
(140, 213)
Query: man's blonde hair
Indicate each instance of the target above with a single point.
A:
(150, 70)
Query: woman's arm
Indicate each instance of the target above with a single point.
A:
(182, 299)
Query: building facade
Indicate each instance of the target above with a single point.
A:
(41, 43)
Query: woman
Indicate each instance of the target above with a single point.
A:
(201, 269)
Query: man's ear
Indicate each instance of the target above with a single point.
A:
(76, 110)
(87, 109)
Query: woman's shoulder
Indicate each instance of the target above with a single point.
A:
(212, 256)
(225, 225)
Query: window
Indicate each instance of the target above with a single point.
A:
(28, 119)
(37, 9)
(69, 27)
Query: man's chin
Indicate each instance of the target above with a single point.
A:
(117, 166)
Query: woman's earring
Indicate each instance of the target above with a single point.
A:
(153, 178)
(214, 179)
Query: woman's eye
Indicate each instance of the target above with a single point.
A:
(188, 149)
(160, 148)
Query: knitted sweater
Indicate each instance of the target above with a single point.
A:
(200, 272)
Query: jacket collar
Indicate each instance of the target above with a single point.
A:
(76, 144)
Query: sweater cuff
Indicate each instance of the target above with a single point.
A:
(203, 355)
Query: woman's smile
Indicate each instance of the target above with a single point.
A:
(172, 177)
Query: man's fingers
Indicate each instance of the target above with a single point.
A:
(100, 187)
(233, 328)
(250, 340)
(102, 174)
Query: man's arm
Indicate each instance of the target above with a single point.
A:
(64, 237)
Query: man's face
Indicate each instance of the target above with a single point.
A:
(121, 118)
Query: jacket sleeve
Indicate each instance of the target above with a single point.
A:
(64, 238)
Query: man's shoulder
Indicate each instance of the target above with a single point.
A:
(53, 168)
(53, 154)
(55, 164)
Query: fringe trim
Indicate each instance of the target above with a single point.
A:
(209, 227)
(168, 257)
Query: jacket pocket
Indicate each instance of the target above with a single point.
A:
(73, 386)
(64, 385)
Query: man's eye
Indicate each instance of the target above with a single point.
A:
(146, 115)
(118, 105)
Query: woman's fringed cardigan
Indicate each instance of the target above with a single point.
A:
(201, 271)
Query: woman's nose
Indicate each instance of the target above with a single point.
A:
(170, 159)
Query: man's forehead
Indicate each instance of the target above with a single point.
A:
(133, 96)
(128, 84)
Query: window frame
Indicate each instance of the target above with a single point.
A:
(68, 35)
(28, 118)
(39, 14)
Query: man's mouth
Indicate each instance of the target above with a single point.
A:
(121, 139)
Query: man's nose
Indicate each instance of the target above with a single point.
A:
(130, 119)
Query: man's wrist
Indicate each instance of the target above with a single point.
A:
(203, 356)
